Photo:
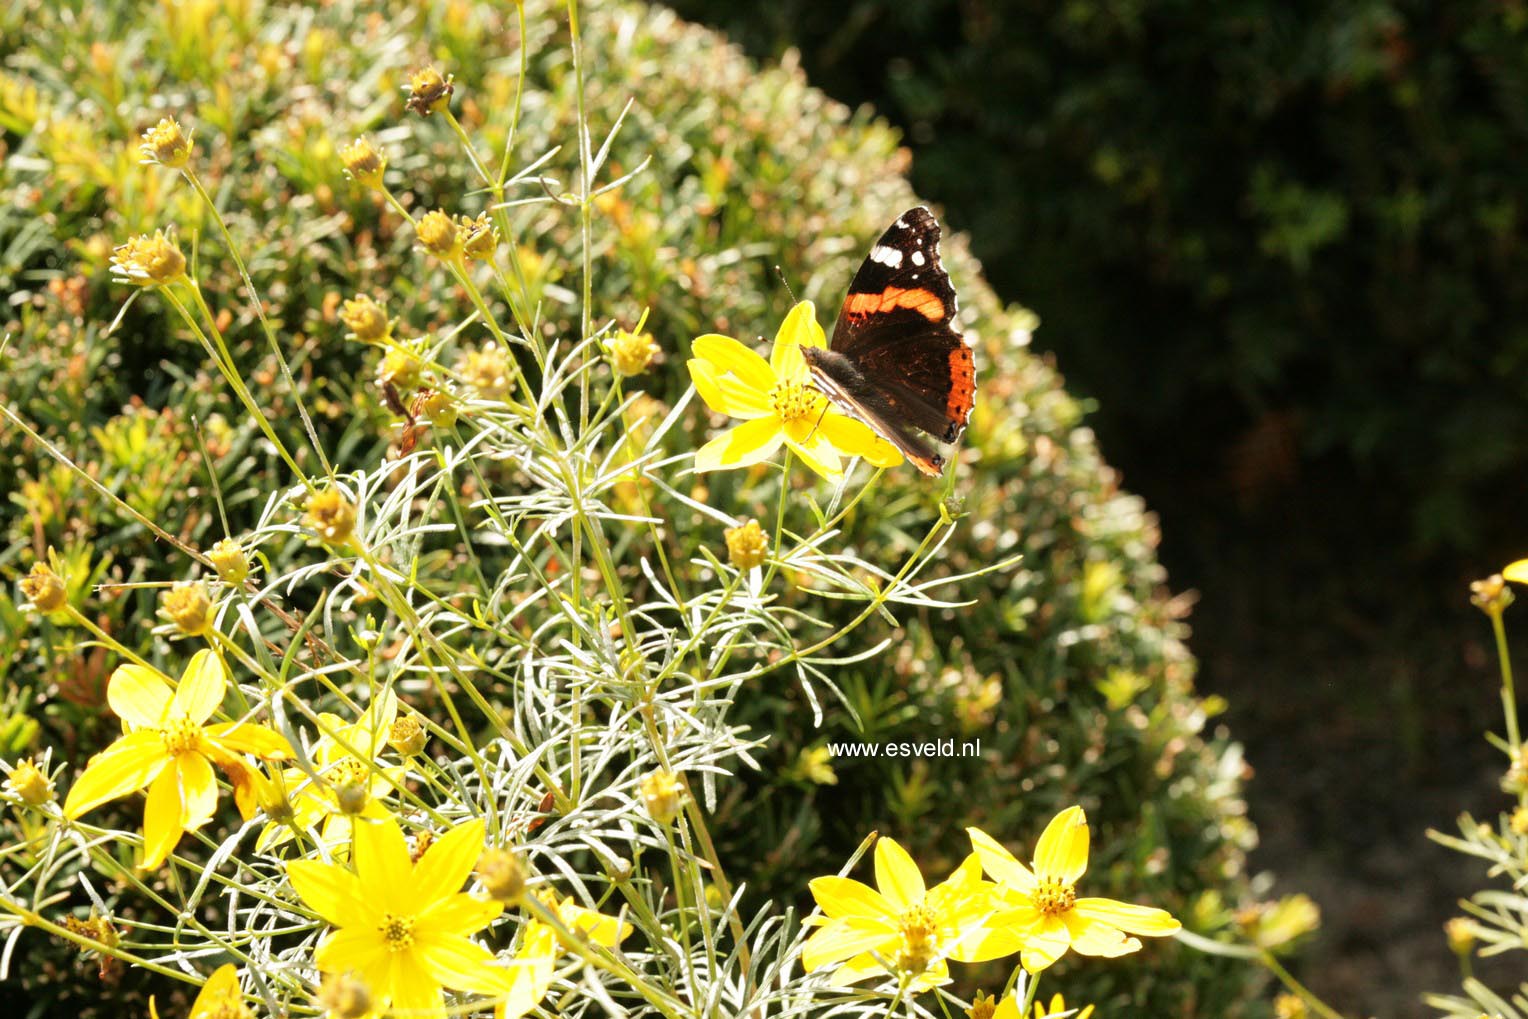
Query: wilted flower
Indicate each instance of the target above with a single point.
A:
(407, 736)
(188, 606)
(502, 876)
(332, 516)
(166, 144)
(662, 795)
(747, 546)
(44, 589)
(363, 163)
(344, 996)
(438, 407)
(366, 319)
(1491, 595)
(486, 370)
(428, 91)
(230, 560)
(148, 261)
(631, 353)
(481, 237)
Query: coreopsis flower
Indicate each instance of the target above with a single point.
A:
(350, 781)
(403, 928)
(363, 163)
(1040, 905)
(747, 546)
(662, 795)
(30, 783)
(1045, 1010)
(44, 588)
(408, 736)
(441, 235)
(230, 560)
(502, 876)
(901, 923)
(219, 998)
(332, 515)
(166, 144)
(366, 319)
(428, 91)
(146, 261)
(188, 607)
(777, 403)
(530, 974)
(631, 353)
(480, 238)
(169, 749)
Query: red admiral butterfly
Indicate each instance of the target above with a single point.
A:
(896, 361)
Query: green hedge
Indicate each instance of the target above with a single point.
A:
(1294, 222)
(1070, 669)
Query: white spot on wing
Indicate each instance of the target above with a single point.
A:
(918, 258)
(889, 257)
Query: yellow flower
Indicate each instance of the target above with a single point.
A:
(440, 234)
(366, 319)
(169, 749)
(166, 144)
(188, 607)
(777, 404)
(332, 516)
(148, 261)
(403, 928)
(530, 974)
(1008, 1008)
(901, 923)
(220, 998)
(45, 589)
(30, 783)
(747, 546)
(230, 560)
(350, 783)
(363, 163)
(631, 352)
(1043, 911)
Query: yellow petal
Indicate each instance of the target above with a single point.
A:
(445, 865)
(1062, 852)
(458, 963)
(594, 925)
(743, 446)
(126, 766)
(844, 896)
(383, 867)
(855, 438)
(728, 355)
(251, 738)
(726, 394)
(201, 687)
(530, 972)
(414, 992)
(841, 940)
(139, 696)
(1008, 1008)
(459, 914)
(799, 328)
(220, 990)
(1145, 920)
(333, 893)
(897, 876)
(1517, 572)
(999, 863)
(818, 454)
(198, 791)
(1046, 943)
(161, 819)
(357, 949)
(1092, 937)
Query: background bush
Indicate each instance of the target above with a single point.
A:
(1069, 669)
(1303, 223)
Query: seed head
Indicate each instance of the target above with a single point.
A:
(440, 234)
(438, 408)
(407, 736)
(363, 163)
(332, 516)
(428, 91)
(44, 589)
(344, 996)
(30, 783)
(1491, 595)
(502, 876)
(366, 319)
(631, 353)
(747, 546)
(188, 606)
(487, 371)
(146, 261)
(400, 367)
(481, 237)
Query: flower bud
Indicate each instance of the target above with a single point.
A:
(502, 876)
(229, 559)
(332, 516)
(363, 163)
(44, 589)
(166, 144)
(662, 796)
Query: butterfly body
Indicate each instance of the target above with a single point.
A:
(896, 360)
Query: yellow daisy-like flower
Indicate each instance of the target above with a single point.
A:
(1043, 912)
(530, 973)
(901, 926)
(169, 748)
(220, 997)
(404, 929)
(350, 782)
(1008, 1008)
(777, 403)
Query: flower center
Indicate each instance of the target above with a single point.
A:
(1052, 897)
(180, 736)
(920, 940)
(397, 931)
(793, 401)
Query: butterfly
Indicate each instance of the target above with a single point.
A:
(896, 361)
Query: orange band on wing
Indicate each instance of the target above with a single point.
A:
(924, 302)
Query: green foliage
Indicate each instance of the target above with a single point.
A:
(1069, 669)
(1271, 212)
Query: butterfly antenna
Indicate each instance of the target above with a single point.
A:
(781, 273)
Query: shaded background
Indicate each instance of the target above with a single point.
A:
(1281, 247)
